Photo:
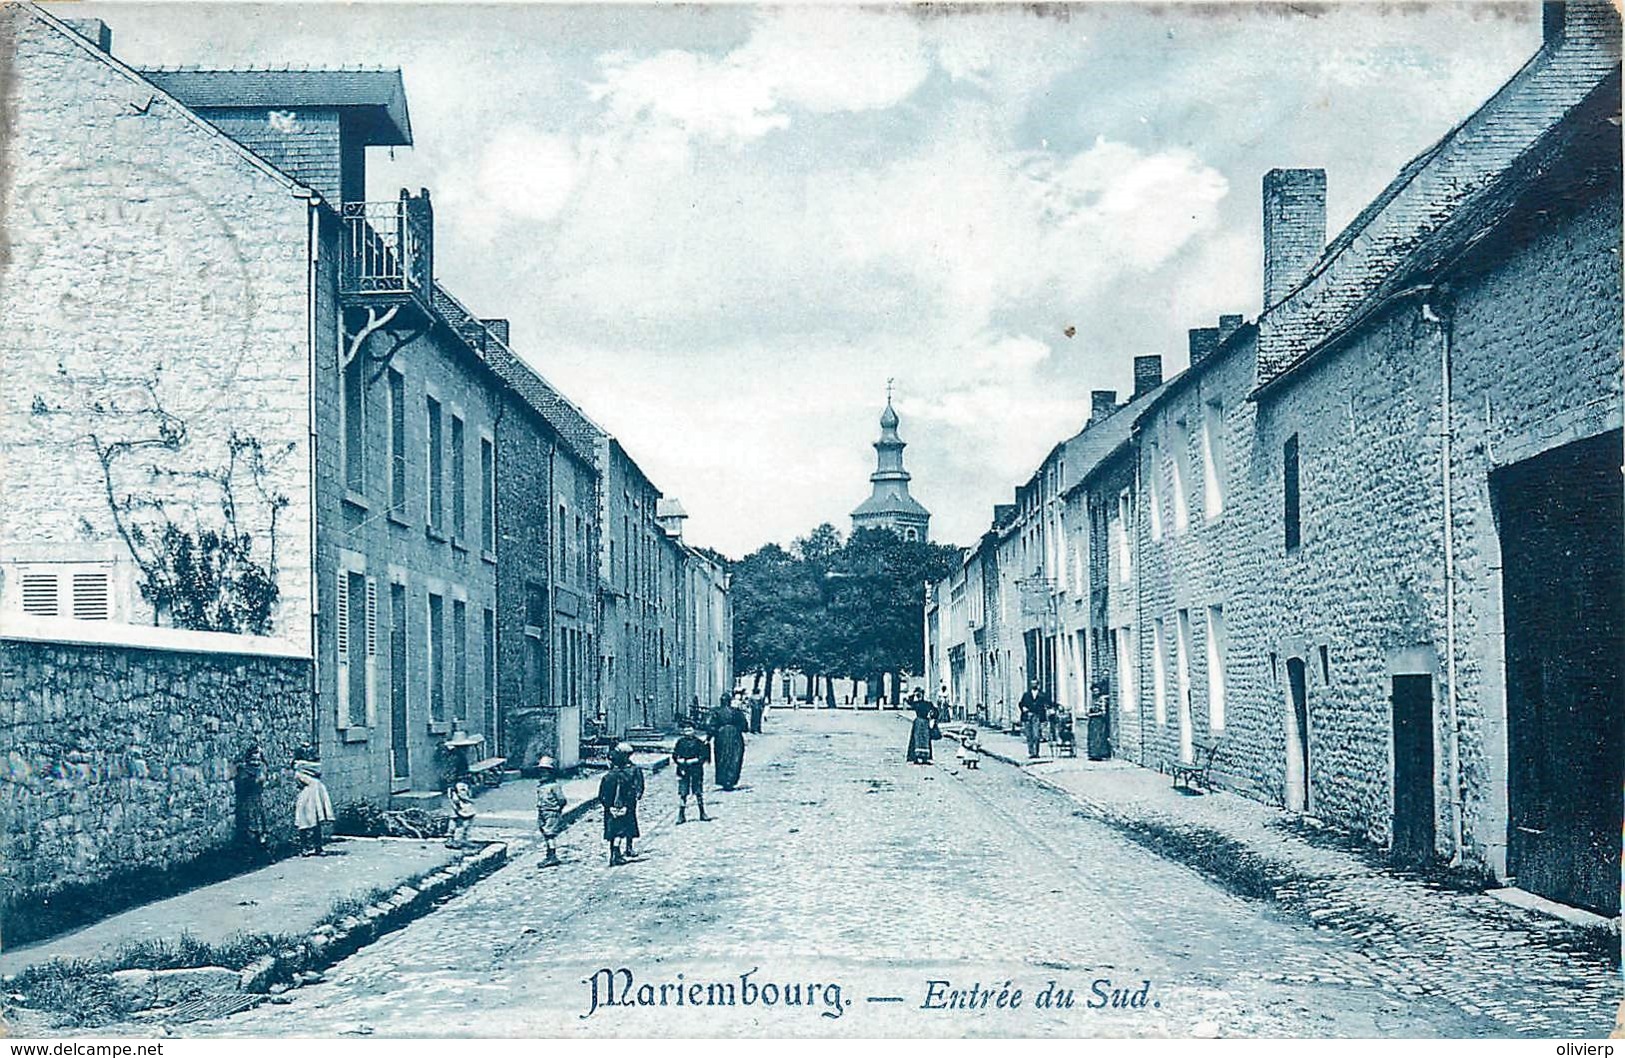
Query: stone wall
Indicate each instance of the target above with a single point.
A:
(119, 758)
(174, 318)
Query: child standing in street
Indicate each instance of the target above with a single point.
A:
(312, 809)
(462, 815)
(549, 809)
(690, 755)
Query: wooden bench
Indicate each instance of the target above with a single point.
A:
(487, 771)
(1199, 772)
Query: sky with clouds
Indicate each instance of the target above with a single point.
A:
(721, 229)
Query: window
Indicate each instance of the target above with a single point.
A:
(459, 657)
(581, 550)
(437, 658)
(488, 659)
(397, 441)
(436, 470)
(400, 759)
(1215, 667)
(1182, 658)
(563, 543)
(1289, 491)
(1180, 441)
(488, 496)
(80, 593)
(1154, 490)
(1128, 690)
(459, 482)
(1125, 556)
(1159, 671)
(354, 404)
(40, 594)
(535, 605)
(1213, 469)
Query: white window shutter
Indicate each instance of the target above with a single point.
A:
(342, 612)
(91, 596)
(40, 594)
(372, 617)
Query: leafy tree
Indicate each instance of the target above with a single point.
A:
(833, 608)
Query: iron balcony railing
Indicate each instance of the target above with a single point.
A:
(388, 247)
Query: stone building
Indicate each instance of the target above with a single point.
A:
(889, 505)
(1436, 479)
(637, 562)
(1367, 547)
(405, 523)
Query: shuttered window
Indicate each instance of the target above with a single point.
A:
(91, 600)
(39, 594)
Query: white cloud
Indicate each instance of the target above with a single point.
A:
(527, 173)
(820, 60)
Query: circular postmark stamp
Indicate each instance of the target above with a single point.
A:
(131, 277)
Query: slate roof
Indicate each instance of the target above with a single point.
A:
(580, 433)
(1439, 181)
(380, 93)
(1582, 148)
(904, 504)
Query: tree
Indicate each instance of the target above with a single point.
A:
(833, 608)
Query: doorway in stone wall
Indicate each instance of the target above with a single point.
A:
(1297, 740)
(1560, 519)
(1413, 824)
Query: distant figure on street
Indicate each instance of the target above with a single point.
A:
(253, 829)
(920, 731)
(690, 755)
(550, 804)
(312, 809)
(1034, 706)
(463, 812)
(728, 725)
(757, 708)
(619, 792)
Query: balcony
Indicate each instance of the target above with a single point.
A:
(387, 251)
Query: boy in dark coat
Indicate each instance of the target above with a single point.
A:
(691, 754)
(619, 792)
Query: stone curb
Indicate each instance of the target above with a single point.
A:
(328, 944)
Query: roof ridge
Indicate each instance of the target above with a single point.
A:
(134, 74)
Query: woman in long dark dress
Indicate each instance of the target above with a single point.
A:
(728, 742)
(919, 732)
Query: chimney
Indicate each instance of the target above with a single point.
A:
(96, 31)
(1203, 341)
(1294, 228)
(1147, 375)
(1228, 325)
(500, 329)
(1102, 402)
(1553, 14)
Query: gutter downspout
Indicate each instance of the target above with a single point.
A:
(1139, 599)
(1447, 428)
(312, 253)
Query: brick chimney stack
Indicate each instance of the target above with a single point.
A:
(1147, 375)
(498, 327)
(1102, 402)
(1228, 325)
(94, 30)
(1294, 228)
(1203, 341)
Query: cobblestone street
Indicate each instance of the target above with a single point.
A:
(837, 863)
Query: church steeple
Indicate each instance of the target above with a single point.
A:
(889, 505)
